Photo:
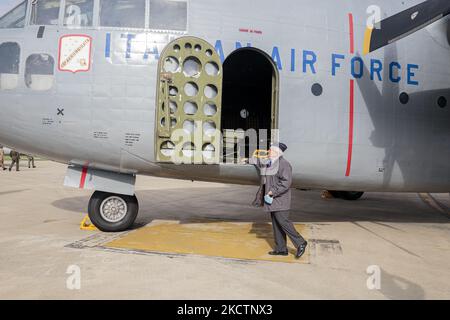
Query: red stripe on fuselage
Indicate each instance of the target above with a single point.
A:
(83, 177)
(351, 128)
(352, 33)
(352, 102)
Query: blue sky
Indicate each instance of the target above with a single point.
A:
(6, 5)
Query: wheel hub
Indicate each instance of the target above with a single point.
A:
(113, 209)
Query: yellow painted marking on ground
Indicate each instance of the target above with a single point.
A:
(243, 241)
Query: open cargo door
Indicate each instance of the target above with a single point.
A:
(189, 98)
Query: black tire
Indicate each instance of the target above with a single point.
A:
(335, 194)
(106, 226)
(351, 195)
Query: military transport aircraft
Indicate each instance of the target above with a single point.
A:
(186, 89)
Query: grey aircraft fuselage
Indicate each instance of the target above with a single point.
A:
(356, 135)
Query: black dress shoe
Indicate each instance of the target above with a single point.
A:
(301, 250)
(279, 253)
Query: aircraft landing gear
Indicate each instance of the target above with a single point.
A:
(347, 195)
(111, 212)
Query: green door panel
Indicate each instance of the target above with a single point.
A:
(189, 98)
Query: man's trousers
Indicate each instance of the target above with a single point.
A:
(283, 227)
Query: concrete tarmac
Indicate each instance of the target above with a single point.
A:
(385, 246)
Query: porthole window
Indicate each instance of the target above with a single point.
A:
(39, 72)
(210, 109)
(188, 149)
(173, 91)
(79, 13)
(316, 89)
(404, 98)
(122, 13)
(191, 89)
(209, 128)
(168, 15)
(209, 151)
(442, 102)
(168, 148)
(173, 122)
(211, 91)
(212, 69)
(12, 14)
(190, 126)
(190, 108)
(9, 65)
(45, 12)
(192, 67)
(171, 64)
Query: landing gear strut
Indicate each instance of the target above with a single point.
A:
(111, 212)
(347, 195)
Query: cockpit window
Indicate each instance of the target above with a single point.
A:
(168, 15)
(122, 13)
(12, 14)
(9, 65)
(39, 72)
(45, 12)
(79, 13)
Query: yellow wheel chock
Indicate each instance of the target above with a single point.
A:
(87, 225)
(261, 154)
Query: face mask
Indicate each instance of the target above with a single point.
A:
(268, 199)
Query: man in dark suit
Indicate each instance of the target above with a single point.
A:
(275, 196)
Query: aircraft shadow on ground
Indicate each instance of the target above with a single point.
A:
(398, 288)
(233, 204)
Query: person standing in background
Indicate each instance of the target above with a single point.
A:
(15, 160)
(30, 161)
(2, 158)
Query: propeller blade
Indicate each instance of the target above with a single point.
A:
(405, 23)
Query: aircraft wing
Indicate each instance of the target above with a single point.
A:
(405, 23)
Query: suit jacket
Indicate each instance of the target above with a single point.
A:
(275, 177)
